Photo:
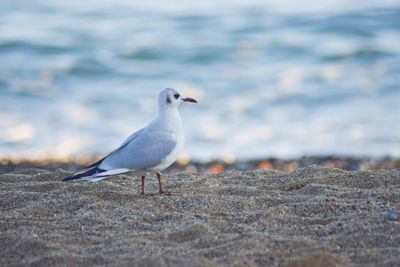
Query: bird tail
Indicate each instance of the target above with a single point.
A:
(94, 172)
(86, 173)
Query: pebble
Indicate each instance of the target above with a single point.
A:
(393, 215)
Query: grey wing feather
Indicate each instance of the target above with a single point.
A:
(131, 137)
(141, 152)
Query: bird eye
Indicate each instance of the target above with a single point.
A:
(176, 96)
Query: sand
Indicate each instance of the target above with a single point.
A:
(314, 216)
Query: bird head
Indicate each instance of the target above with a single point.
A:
(171, 98)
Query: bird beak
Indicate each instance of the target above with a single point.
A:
(188, 99)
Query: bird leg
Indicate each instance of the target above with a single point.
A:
(143, 185)
(159, 182)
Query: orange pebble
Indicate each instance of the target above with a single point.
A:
(265, 164)
(217, 168)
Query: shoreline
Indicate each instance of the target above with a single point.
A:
(350, 163)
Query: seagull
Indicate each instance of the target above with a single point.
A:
(149, 150)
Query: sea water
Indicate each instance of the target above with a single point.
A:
(273, 78)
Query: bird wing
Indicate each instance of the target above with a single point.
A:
(94, 167)
(141, 151)
(131, 137)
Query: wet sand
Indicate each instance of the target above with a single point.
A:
(314, 216)
(349, 163)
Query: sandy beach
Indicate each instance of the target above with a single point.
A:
(313, 216)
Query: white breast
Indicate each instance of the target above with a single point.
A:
(170, 120)
(172, 157)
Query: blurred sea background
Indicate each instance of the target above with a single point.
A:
(273, 78)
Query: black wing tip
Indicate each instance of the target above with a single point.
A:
(70, 178)
(87, 173)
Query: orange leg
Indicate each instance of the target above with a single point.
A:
(159, 183)
(143, 185)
